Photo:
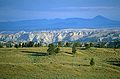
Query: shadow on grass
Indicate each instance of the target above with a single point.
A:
(84, 65)
(68, 52)
(116, 63)
(113, 61)
(35, 53)
(74, 64)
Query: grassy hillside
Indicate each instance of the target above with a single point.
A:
(34, 63)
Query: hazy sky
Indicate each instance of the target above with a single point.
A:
(11, 10)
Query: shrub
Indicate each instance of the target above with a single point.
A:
(73, 49)
(51, 49)
(59, 44)
(30, 44)
(92, 62)
(16, 45)
(77, 44)
(1, 45)
(87, 45)
(8, 45)
(57, 50)
(68, 44)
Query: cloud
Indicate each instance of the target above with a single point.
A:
(85, 8)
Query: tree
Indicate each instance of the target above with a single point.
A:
(57, 50)
(68, 44)
(30, 44)
(116, 44)
(60, 44)
(9, 45)
(77, 44)
(74, 49)
(23, 45)
(39, 44)
(100, 44)
(16, 46)
(92, 62)
(36, 45)
(87, 45)
(51, 49)
(1, 45)
(20, 45)
(91, 44)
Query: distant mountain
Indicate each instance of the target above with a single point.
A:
(53, 24)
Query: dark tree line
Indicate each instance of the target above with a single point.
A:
(1, 45)
(28, 44)
(86, 45)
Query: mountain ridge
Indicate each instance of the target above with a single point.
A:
(52, 24)
(66, 35)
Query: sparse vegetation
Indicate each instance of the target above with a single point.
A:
(57, 50)
(51, 49)
(34, 63)
(92, 62)
(1, 45)
(74, 49)
(87, 45)
(16, 45)
(68, 44)
(60, 44)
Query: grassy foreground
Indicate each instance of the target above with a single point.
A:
(34, 63)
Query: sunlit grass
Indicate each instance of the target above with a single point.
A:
(34, 63)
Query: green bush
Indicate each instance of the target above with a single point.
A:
(60, 44)
(74, 49)
(57, 50)
(92, 62)
(8, 45)
(51, 49)
(1, 45)
(16, 45)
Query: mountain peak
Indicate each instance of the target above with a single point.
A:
(100, 17)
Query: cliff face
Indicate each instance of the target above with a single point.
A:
(82, 35)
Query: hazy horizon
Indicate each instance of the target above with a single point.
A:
(14, 10)
(60, 18)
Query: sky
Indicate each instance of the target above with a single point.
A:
(14, 10)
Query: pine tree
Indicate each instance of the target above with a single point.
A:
(1, 45)
(68, 44)
(30, 44)
(92, 62)
(87, 46)
(16, 45)
(57, 50)
(51, 49)
(77, 44)
(59, 44)
(73, 49)
(20, 45)
(8, 45)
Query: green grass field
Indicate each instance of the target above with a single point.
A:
(34, 63)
